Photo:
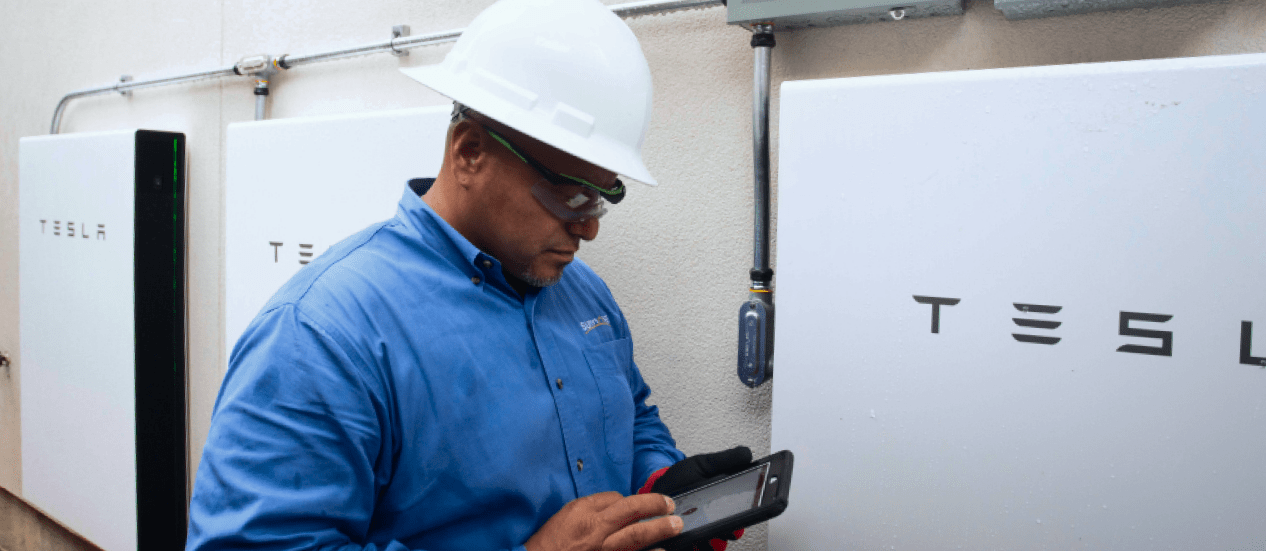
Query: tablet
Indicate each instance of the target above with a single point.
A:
(716, 507)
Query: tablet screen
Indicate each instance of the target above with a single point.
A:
(722, 499)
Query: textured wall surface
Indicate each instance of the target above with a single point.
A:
(675, 256)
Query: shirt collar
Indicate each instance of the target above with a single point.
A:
(437, 231)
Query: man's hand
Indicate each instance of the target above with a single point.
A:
(607, 522)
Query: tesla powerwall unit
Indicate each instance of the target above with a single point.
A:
(102, 322)
(294, 187)
(1024, 308)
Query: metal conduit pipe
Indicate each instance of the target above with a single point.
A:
(648, 7)
(756, 316)
(403, 43)
(261, 99)
(262, 79)
(762, 45)
(133, 85)
(399, 44)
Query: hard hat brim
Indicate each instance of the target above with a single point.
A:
(520, 111)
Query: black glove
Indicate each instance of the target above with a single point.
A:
(697, 468)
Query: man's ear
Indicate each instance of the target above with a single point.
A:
(468, 151)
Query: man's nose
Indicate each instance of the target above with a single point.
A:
(585, 229)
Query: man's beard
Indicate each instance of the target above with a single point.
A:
(537, 281)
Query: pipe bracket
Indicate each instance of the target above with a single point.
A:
(399, 31)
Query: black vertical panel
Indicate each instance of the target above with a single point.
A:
(161, 478)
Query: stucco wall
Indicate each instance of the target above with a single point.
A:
(675, 256)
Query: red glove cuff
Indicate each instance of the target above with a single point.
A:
(650, 481)
(719, 544)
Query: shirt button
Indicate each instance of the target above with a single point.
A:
(475, 280)
(580, 464)
(487, 263)
(559, 383)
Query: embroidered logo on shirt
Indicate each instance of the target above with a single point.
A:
(594, 323)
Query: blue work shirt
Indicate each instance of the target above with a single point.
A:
(397, 393)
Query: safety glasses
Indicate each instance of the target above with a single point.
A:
(567, 197)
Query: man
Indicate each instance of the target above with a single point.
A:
(453, 378)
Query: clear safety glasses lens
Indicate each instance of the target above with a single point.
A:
(571, 203)
(614, 195)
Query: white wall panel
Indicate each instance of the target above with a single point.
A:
(1100, 189)
(294, 187)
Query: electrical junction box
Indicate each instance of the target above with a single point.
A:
(102, 324)
(792, 15)
(294, 187)
(1033, 9)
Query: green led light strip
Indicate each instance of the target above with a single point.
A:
(175, 237)
(175, 207)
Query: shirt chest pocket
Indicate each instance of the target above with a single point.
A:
(609, 364)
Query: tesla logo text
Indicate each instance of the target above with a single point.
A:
(305, 252)
(1036, 323)
(1038, 326)
(72, 229)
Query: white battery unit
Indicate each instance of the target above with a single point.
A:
(294, 187)
(102, 308)
(1023, 308)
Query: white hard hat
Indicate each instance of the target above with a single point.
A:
(568, 73)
